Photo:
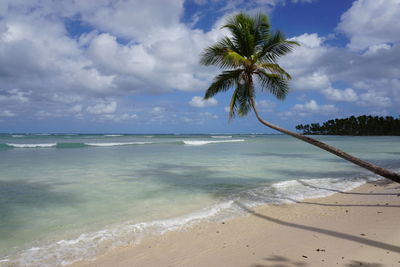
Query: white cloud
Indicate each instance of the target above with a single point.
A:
(303, 1)
(375, 99)
(41, 63)
(371, 22)
(76, 109)
(49, 70)
(7, 113)
(304, 63)
(14, 95)
(317, 66)
(312, 107)
(265, 105)
(208, 115)
(347, 95)
(116, 117)
(102, 108)
(309, 40)
(44, 114)
(158, 110)
(374, 49)
(200, 102)
(311, 81)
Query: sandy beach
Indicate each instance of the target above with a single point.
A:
(359, 227)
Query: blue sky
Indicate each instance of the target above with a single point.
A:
(132, 66)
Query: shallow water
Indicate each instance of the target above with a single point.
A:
(70, 197)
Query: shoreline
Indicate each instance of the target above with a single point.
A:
(344, 229)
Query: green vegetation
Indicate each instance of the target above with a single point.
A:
(362, 125)
(249, 56)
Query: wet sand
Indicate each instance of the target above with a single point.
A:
(359, 227)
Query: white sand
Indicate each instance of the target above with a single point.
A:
(360, 227)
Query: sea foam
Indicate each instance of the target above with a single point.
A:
(32, 145)
(90, 245)
(118, 144)
(204, 142)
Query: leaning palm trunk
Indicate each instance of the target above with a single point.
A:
(369, 166)
(250, 54)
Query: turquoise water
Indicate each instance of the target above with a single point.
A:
(70, 197)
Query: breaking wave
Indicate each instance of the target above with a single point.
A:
(203, 142)
(70, 145)
(90, 245)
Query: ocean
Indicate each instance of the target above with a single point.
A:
(68, 197)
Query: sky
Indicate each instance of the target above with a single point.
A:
(132, 66)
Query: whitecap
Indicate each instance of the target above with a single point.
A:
(204, 142)
(117, 144)
(31, 145)
(90, 245)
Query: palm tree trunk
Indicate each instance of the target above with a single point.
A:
(369, 166)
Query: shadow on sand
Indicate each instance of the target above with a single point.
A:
(280, 261)
(354, 238)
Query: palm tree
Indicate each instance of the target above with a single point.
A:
(250, 54)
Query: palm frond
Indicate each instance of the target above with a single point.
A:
(274, 83)
(245, 98)
(275, 68)
(223, 54)
(241, 27)
(251, 50)
(261, 28)
(233, 105)
(240, 101)
(223, 82)
(275, 47)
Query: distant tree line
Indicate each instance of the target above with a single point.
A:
(362, 125)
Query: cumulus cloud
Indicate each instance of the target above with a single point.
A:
(116, 117)
(7, 113)
(347, 95)
(45, 62)
(312, 107)
(200, 102)
(265, 105)
(317, 66)
(371, 22)
(102, 108)
(76, 109)
(304, 63)
(303, 1)
(50, 68)
(374, 99)
(374, 49)
(13, 95)
(208, 115)
(312, 81)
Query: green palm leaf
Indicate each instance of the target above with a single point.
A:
(274, 83)
(275, 47)
(223, 82)
(275, 68)
(251, 50)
